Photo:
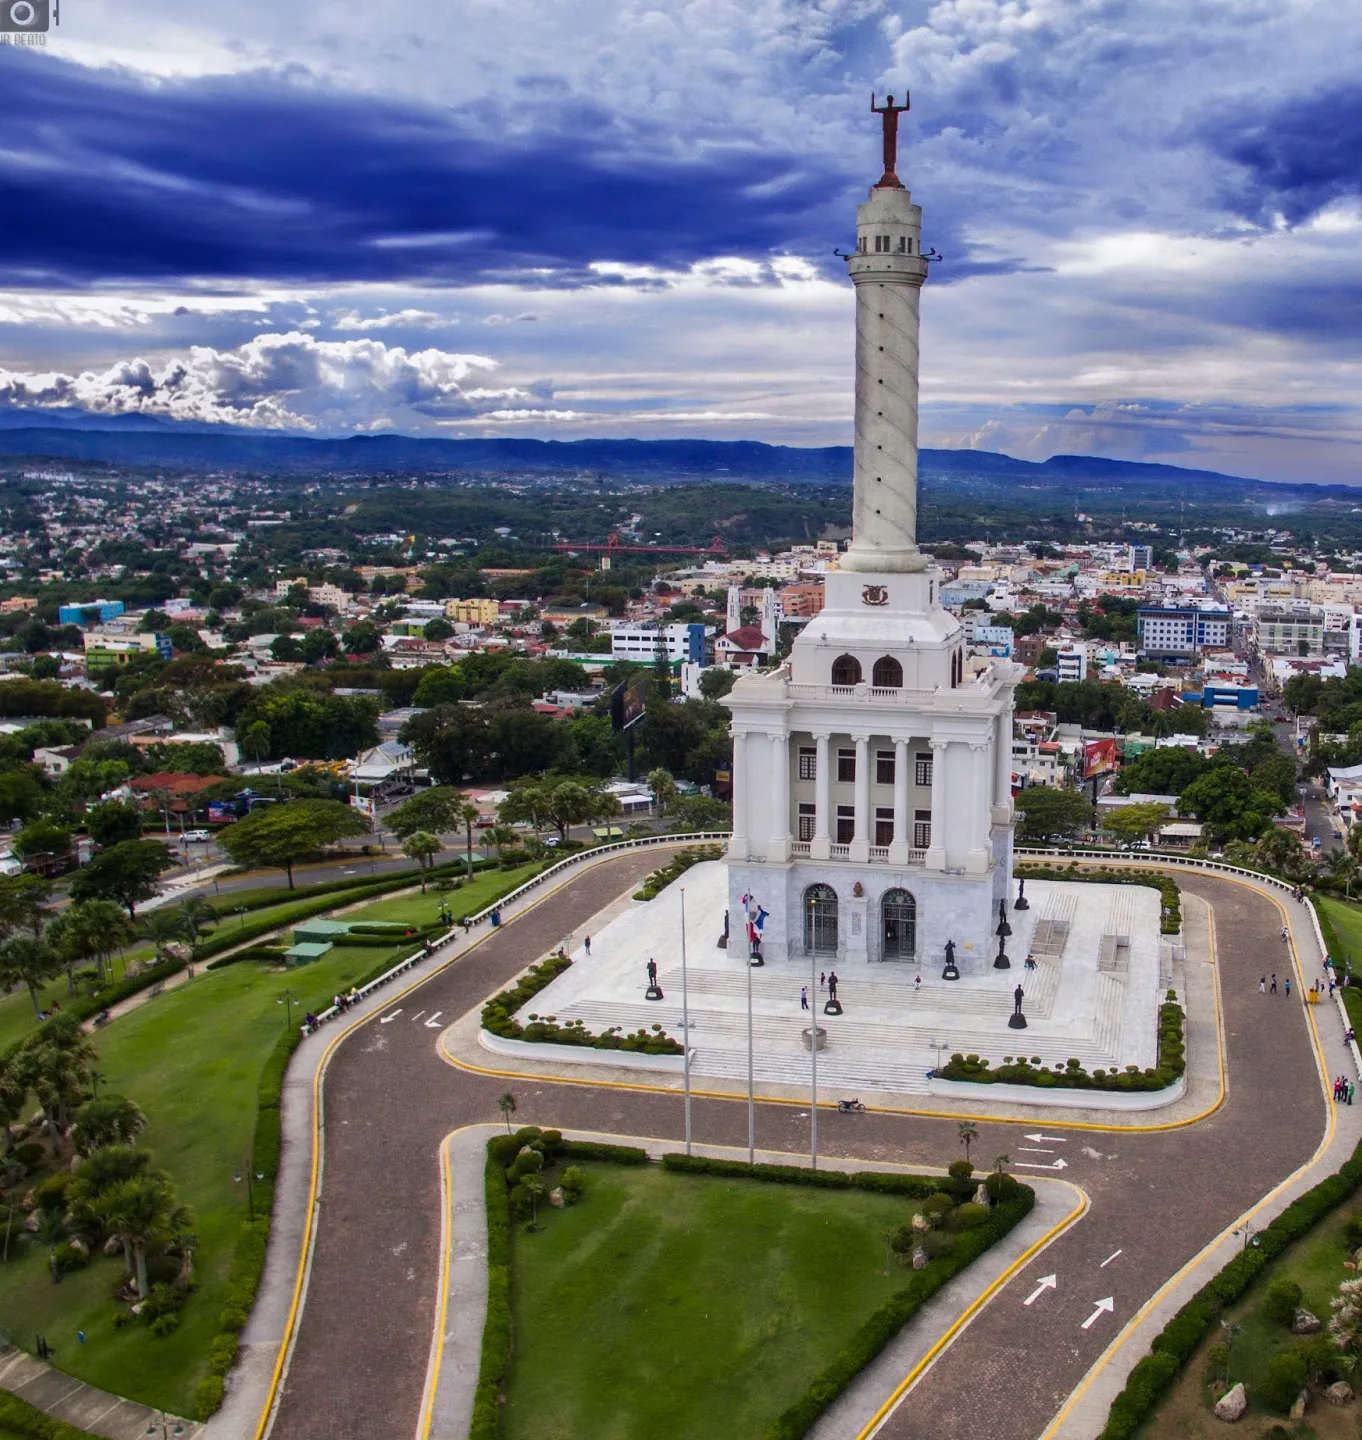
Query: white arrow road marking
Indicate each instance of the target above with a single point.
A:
(393, 1016)
(1046, 1282)
(1034, 1150)
(1059, 1164)
(1107, 1305)
(1054, 1139)
(434, 1022)
(1109, 1259)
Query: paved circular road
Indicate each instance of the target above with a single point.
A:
(359, 1362)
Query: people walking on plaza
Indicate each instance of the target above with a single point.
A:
(803, 997)
(1352, 1090)
(1272, 989)
(917, 983)
(1262, 985)
(1286, 987)
(1284, 932)
(822, 979)
(1331, 987)
(586, 944)
(1338, 1087)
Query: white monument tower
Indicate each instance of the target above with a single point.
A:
(872, 799)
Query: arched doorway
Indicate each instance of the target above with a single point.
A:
(898, 926)
(846, 670)
(820, 920)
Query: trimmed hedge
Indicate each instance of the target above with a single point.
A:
(20, 1417)
(1013, 1204)
(889, 1318)
(1170, 922)
(1172, 1063)
(676, 867)
(598, 1150)
(498, 1018)
(496, 1330)
(1174, 1345)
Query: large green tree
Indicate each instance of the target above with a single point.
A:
(1139, 821)
(278, 836)
(1047, 813)
(438, 810)
(126, 872)
(1229, 804)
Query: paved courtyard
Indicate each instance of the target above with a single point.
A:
(1100, 968)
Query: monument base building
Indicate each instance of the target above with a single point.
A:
(872, 786)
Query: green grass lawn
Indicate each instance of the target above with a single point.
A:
(1315, 1263)
(1345, 921)
(191, 1058)
(468, 899)
(670, 1305)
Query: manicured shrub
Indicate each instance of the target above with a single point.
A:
(68, 1259)
(208, 1397)
(960, 1169)
(968, 1216)
(573, 1183)
(1282, 1300)
(1284, 1380)
(222, 1354)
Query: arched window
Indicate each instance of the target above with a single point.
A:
(820, 920)
(846, 670)
(898, 925)
(887, 674)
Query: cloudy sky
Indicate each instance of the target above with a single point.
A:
(609, 217)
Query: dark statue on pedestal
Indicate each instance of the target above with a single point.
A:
(1017, 1021)
(654, 990)
(951, 972)
(1021, 902)
(1003, 927)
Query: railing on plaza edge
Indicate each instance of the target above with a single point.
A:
(1188, 862)
(1125, 857)
(471, 922)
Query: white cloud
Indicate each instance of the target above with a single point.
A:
(394, 320)
(275, 381)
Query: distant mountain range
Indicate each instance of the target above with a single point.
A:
(161, 444)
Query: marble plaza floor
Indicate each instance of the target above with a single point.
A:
(1101, 968)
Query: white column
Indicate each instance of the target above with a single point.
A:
(981, 811)
(936, 852)
(779, 847)
(1002, 784)
(903, 835)
(860, 845)
(821, 847)
(737, 845)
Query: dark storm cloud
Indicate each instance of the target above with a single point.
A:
(1294, 157)
(105, 176)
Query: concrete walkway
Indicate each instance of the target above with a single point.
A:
(81, 1405)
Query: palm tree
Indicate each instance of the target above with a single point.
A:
(143, 1214)
(967, 1133)
(422, 847)
(97, 928)
(999, 1161)
(196, 916)
(468, 816)
(506, 1104)
(28, 961)
(536, 1189)
(114, 1120)
(97, 1174)
(161, 927)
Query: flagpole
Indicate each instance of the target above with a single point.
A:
(751, 1102)
(685, 1020)
(813, 1036)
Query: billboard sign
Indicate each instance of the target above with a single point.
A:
(1100, 758)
